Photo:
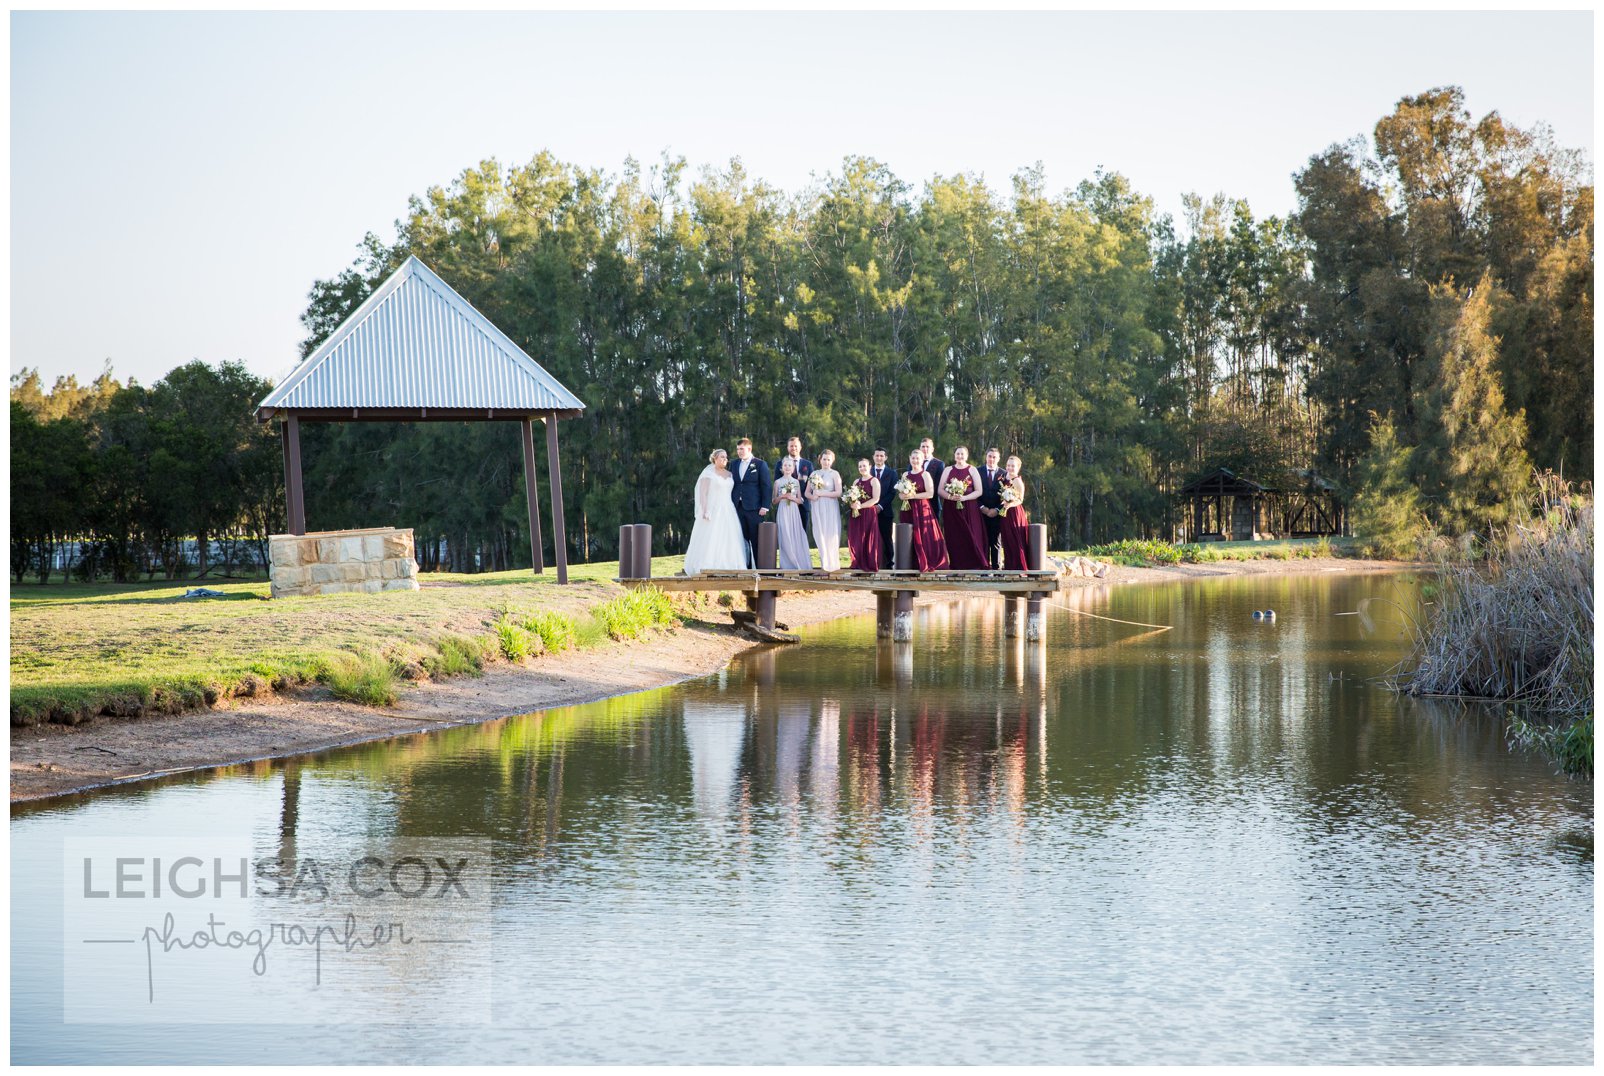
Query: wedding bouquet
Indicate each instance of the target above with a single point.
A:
(854, 497)
(788, 487)
(818, 483)
(1009, 495)
(905, 489)
(956, 489)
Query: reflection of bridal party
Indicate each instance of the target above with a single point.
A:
(964, 516)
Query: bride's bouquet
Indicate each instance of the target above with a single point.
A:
(1009, 495)
(905, 490)
(854, 497)
(956, 489)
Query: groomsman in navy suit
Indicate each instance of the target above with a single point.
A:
(804, 468)
(888, 477)
(934, 467)
(753, 491)
(991, 507)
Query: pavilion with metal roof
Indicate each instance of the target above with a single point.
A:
(416, 351)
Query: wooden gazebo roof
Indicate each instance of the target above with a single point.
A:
(417, 351)
(1222, 482)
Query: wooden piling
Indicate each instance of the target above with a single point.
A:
(626, 551)
(767, 554)
(1010, 616)
(883, 603)
(643, 550)
(902, 612)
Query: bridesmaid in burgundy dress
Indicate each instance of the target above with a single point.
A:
(960, 516)
(863, 526)
(1015, 524)
(929, 548)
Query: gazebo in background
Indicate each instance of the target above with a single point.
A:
(416, 351)
(1224, 506)
(1210, 521)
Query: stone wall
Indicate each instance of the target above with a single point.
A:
(339, 562)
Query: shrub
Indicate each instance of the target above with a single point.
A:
(1387, 510)
(516, 641)
(1198, 554)
(1136, 552)
(458, 655)
(1518, 625)
(630, 615)
(556, 631)
(366, 678)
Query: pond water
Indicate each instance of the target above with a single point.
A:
(1218, 843)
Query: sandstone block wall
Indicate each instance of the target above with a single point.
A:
(338, 562)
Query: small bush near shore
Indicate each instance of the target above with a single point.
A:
(460, 655)
(366, 678)
(556, 631)
(517, 642)
(631, 615)
(1135, 552)
(1518, 625)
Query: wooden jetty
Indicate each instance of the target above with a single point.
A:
(894, 589)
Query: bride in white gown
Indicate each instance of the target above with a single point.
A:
(716, 540)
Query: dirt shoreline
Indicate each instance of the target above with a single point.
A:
(58, 760)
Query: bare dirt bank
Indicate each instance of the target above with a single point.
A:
(55, 760)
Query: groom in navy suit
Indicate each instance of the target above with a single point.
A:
(751, 494)
(881, 468)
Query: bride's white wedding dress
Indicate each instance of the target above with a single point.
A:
(716, 542)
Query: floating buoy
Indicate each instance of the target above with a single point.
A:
(1269, 614)
(1258, 614)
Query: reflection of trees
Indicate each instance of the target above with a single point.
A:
(960, 724)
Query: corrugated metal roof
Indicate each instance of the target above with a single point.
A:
(416, 343)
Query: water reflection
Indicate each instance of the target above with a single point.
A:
(1218, 840)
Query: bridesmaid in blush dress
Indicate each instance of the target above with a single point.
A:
(1015, 523)
(929, 548)
(863, 528)
(824, 491)
(960, 516)
(793, 540)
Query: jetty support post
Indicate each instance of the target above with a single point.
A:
(532, 495)
(554, 472)
(883, 604)
(642, 550)
(902, 617)
(1035, 557)
(626, 551)
(768, 548)
(1010, 616)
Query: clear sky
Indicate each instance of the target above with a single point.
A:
(178, 181)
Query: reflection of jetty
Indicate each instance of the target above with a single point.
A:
(894, 589)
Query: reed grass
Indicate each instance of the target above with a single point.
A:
(1516, 625)
(367, 678)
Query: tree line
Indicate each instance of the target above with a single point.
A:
(1420, 326)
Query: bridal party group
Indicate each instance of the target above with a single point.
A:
(965, 516)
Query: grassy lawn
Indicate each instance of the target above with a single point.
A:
(80, 649)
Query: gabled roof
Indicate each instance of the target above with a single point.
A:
(416, 345)
(1223, 482)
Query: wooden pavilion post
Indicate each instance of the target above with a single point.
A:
(554, 469)
(532, 495)
(293, 496)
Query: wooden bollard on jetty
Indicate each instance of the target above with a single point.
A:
(1035, 557)
(767, 554)
(902, 615)
(626, 551)
(642, 550)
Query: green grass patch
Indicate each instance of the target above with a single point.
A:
(631, 615)
(556, 631)
(516, 641)
(366, 678)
